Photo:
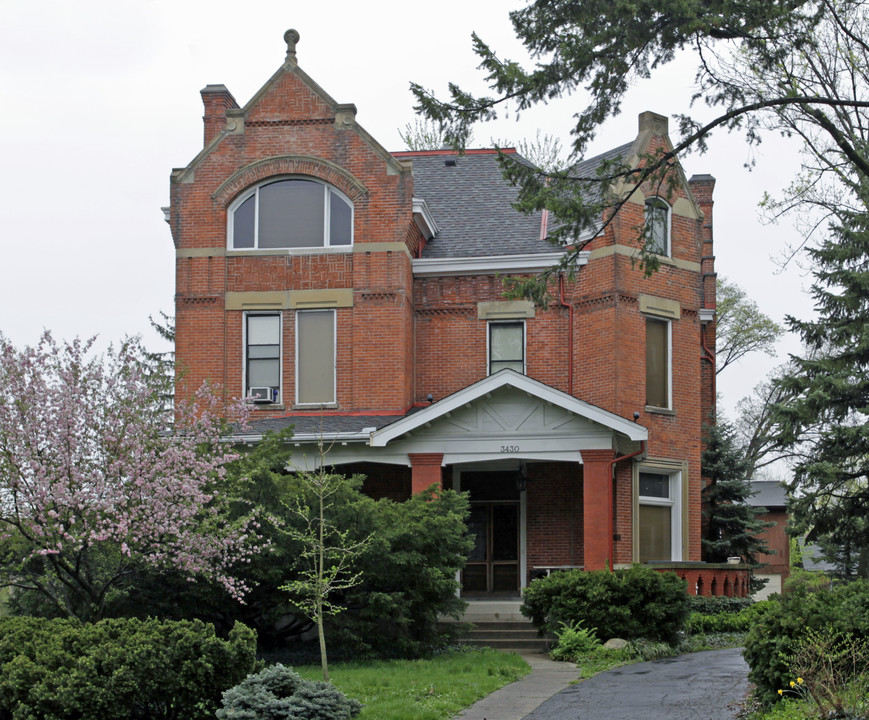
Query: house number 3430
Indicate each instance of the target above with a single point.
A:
(509, 448)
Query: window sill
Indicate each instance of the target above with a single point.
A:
(266, 406)
(316, 406)
(319, 250)
(659, 410)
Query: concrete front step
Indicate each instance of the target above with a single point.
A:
(493, 611)
(499, 624)
(507, 636)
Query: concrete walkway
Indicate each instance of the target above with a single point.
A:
(516, 700)
(700, 686)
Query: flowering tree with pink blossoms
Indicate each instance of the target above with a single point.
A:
(93, 486)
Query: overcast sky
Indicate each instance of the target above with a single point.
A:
(100, 100)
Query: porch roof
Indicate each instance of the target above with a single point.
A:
(507, 378)
(505, 415)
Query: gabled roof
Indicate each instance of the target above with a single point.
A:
(472, 204)
(501, 379)
(290, 67)
(768, 494)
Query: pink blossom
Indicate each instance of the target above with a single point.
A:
(88, 462)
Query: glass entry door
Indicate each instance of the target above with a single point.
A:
(493, 565)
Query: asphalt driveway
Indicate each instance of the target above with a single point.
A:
(700, 686)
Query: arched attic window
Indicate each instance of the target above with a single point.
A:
(658, 226)
(290, 213)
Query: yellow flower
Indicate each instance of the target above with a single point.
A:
(800, 681)
(792, 683)
(781, 692)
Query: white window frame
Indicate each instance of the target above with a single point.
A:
(489, 327)
(669, 359)
(334, 400)
(327, 216)
(658, 201)
(675, 502)
(244, 352)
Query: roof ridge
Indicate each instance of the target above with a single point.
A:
(474, 151)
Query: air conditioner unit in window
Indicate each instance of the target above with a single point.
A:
(260, 395)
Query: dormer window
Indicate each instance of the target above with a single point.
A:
(290, 213)
(657, 226)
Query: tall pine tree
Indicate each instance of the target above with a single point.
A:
(827, 410)
(732, 525)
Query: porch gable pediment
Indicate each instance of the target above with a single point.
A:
(508, 410)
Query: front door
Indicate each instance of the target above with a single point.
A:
(493, 565)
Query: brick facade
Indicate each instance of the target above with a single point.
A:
(408, 337)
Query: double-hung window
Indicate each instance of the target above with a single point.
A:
(315, 357)
(658, 363)
(262, 343)
(506, 346)
(657, 226)
(659, 516)
(290, 213)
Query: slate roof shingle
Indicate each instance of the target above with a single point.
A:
(327, 425)
(472, 204)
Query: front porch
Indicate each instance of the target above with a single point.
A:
(554, 482)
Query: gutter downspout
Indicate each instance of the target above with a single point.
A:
(612, 494)
(709, 357)
(569, 332)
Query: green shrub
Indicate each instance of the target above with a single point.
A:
(782, 624)
(726, 621)
(715, 604)
(573, 641)
(645, 650)
(633, 603)
(409, 572)
(278, 693)
(118, 669)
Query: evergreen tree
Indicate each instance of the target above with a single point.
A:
(794, 67)
(828, 397)
(733, 526)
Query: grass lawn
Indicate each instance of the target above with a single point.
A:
(434, 689)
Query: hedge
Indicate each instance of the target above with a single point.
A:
(633, 603)
(124, 669)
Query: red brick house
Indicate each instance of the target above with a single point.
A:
(357, 295)
(776, 564)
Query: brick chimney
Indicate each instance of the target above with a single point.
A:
(217, 100)
(703, 187)
(658, 124)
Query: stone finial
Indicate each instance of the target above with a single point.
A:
(291, 37)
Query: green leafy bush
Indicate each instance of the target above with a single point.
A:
(633, 603)
(726, 621)
(278, 693)
(409, 572)
(832, 670)
(782, 624)
(118, 669)
(645, 650)
(574, 641)
(715, 604)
